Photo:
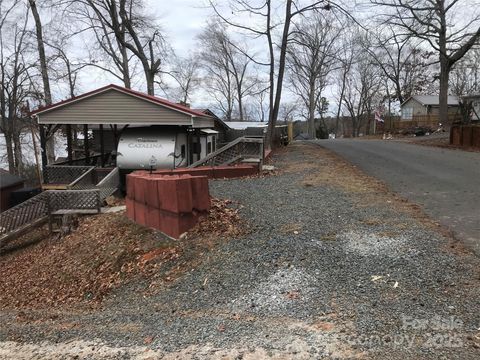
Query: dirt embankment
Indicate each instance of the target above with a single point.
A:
(103, 253)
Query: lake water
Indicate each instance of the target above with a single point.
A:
(28, 151)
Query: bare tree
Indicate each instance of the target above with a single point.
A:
(345, 56)
(362, 93)
(465, 75)
(311, 59)
(186, 73)
(264, 13)
(15, 80)
(401, 60)
(446, 25)
(134, 31)
(107, 51)
(49, 154)
(227, 69)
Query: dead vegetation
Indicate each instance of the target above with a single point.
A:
(105, 252)
(329, 169)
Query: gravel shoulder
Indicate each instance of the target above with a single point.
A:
(333, 266)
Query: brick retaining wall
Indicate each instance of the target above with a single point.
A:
(169, 203)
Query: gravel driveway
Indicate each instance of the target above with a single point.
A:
(334, 267)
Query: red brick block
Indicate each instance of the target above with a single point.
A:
(200, 193)
(199, 171)
(175, 194)
(140, 213)
(162, 172)
(130, 203)
(228, 172)
(151, 195)
(141, 188)
(153, 217)
(175, 225)
(131, 185)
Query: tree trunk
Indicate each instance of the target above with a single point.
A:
(18, 155)
(125, 64)
(149, 79)
(240, 106)
(10, 157)
(44, 71)
(41, 53)
(311, 111)
(443, 99)
(281, 72)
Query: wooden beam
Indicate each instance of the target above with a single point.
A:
(85, 144)
(69, 144)
(102, 147)
(43, 146)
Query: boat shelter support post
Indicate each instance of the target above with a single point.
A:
(102, 147)
(69, 144)
(43, 147)
(85, 144)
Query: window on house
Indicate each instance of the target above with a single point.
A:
(209, 147)
(183, 151)
(407, 113)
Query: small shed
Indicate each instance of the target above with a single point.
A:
(425, 105)
(8, 184)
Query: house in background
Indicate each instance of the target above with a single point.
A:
(424, 106)
(8, 184)
(475, 102)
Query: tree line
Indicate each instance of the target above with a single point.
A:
(253, 60)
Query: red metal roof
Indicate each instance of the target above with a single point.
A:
(139, 94)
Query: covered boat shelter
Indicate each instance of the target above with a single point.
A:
(101, 116)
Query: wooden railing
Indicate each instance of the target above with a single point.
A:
(73, 200)
(109, 184)
(37, 210)
(84, 161)
(83, 178)
(235, 151)
(60, 174)
(33, 210)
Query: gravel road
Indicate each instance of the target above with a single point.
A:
(444, 182)
(333, 267)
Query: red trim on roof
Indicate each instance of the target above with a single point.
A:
(151, 98)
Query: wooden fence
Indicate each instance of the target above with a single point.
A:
(37, 210)
(63, 175)
(428, 121)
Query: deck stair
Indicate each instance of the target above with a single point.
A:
(242, 149)
(84, 195)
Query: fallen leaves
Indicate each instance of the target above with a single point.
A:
(104, 252)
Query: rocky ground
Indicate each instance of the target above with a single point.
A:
(332, 266)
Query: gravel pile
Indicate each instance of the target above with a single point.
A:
(323, 272)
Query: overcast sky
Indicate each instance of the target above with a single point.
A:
(182, 20)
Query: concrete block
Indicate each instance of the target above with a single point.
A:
(152, 198)
(130, 204)
(200, 193)
(140, 213)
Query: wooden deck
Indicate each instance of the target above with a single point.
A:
(54, 186)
